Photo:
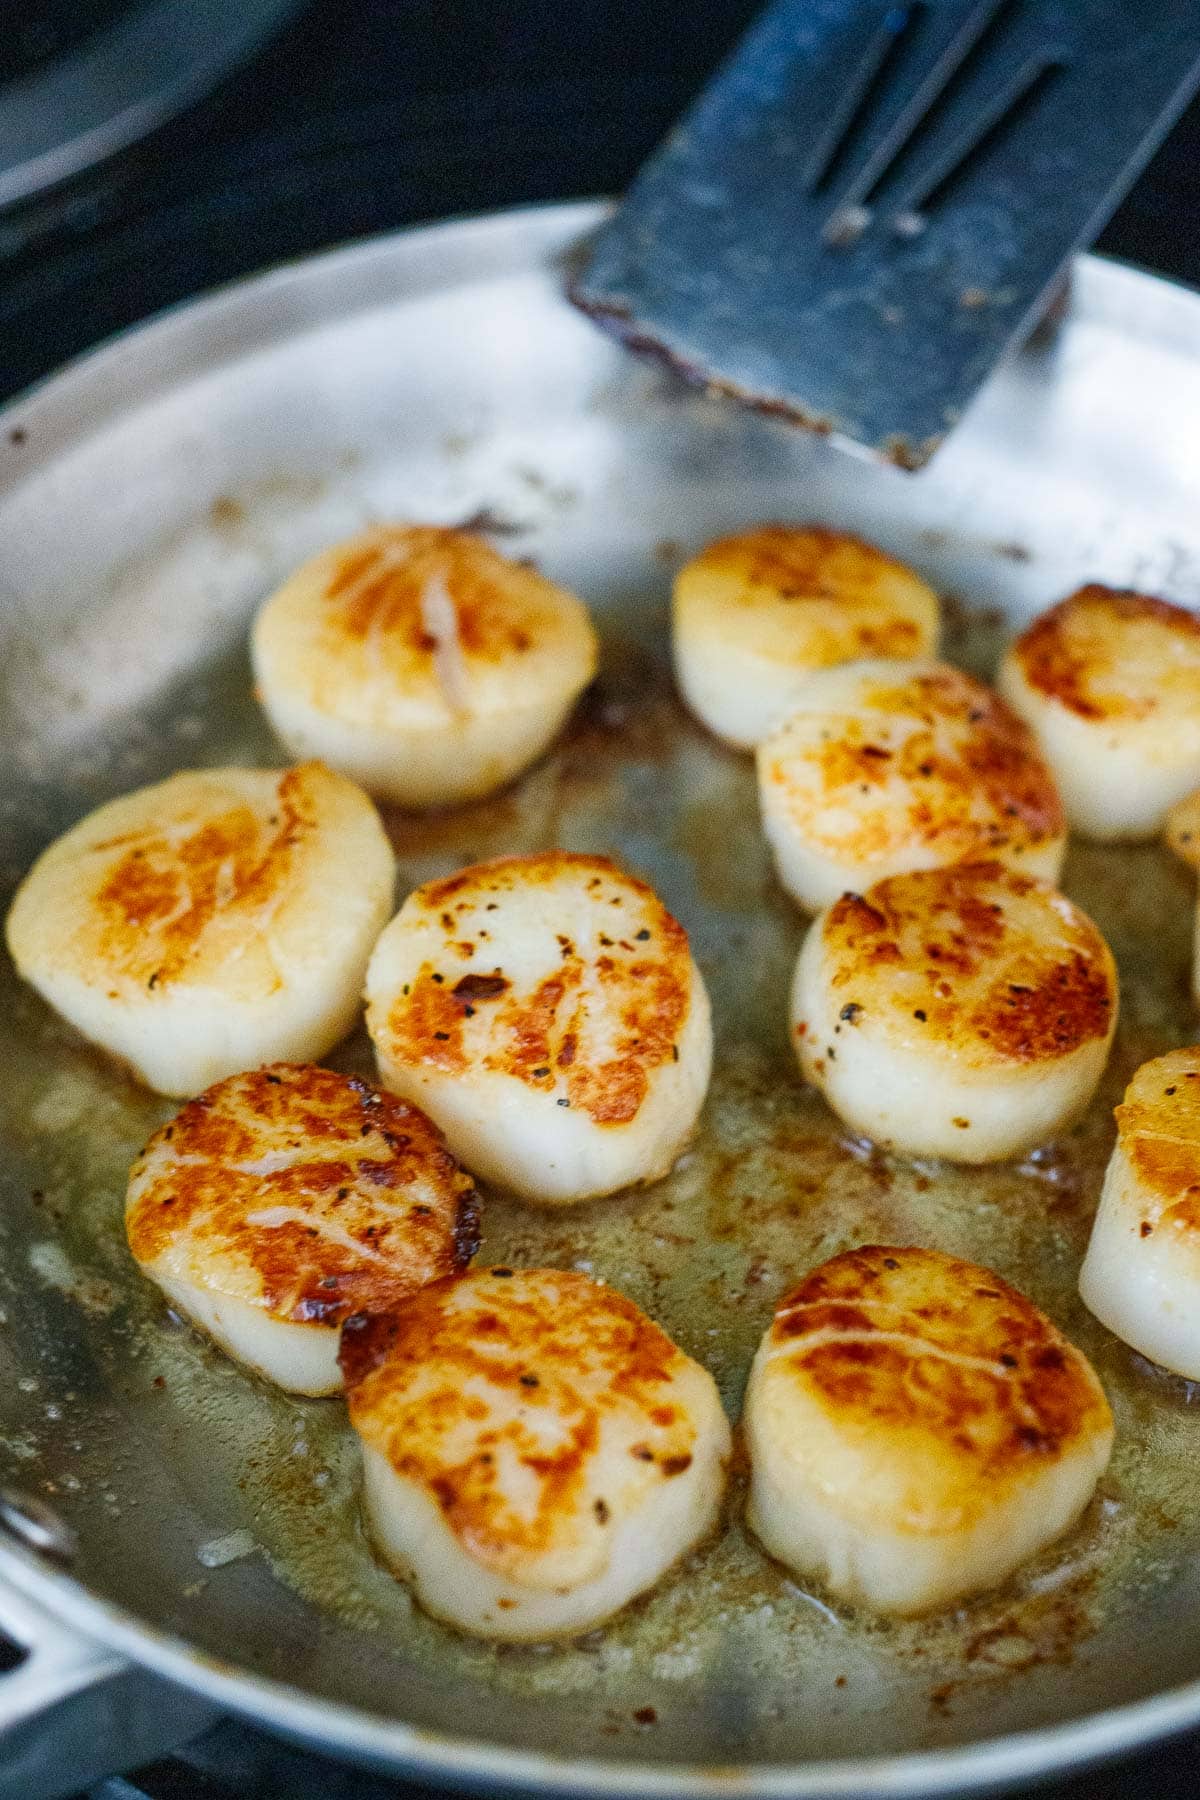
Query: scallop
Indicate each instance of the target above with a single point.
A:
(886, 767)
(757, 612)
(1141, 1274)
(285, 1200)
(217, 920)
(964, 1012)
(420, 662)
(535, 1450)
(546, 1011)
(1110, 682)
(917, 1430)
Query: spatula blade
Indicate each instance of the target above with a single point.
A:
(860, 261)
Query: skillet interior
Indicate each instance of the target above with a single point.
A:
(148, 501)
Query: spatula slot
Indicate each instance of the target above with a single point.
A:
(920, 107)
(1013, 99)
(855, 103)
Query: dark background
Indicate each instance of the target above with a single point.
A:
(365, 115)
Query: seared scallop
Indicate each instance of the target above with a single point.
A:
(917, 1429)
(545, 1010)
(217, 920)
(963, 1012)
(1110, 682)
(1141, 1275)
(284, 1200)
(755, 613)
(885, 767)
(535, 1450)
(421, 663)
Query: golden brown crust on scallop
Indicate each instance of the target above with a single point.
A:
(376, 589)
(363, 620)
(1078, 653)
(791, 563)
(1158, 1125)
(546, 1035)
(161, 889)
(974, 960)
(974, 780)
(493, 1393)
(930, 1351)
(311, 1194)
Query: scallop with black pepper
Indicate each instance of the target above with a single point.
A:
(886, 767)
(547, 1012)
(535, 1450)
(963, 1012)
(287, 1198)
(917, 1429)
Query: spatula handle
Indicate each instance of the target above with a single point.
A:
(73, 1711)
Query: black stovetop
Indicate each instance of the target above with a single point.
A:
(365, 115)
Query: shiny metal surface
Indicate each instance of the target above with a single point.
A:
(35, 1524)
(149, 496)
(73, 1709)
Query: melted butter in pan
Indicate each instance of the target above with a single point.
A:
(772, 1185)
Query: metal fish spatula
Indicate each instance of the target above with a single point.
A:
(871, 202)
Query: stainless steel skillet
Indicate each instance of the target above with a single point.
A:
(148, 497)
